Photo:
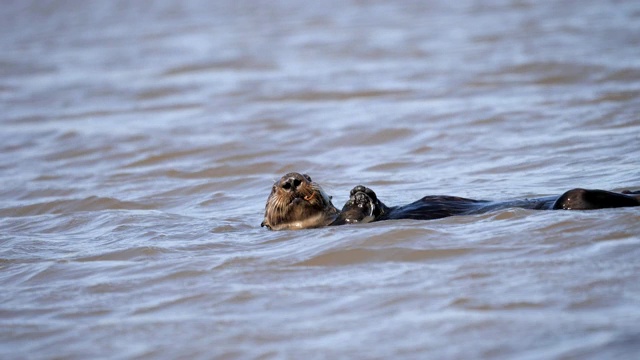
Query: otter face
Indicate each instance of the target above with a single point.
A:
(296, 202)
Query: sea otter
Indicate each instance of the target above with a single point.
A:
(296, 202)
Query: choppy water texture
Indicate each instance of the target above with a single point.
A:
(140, 140)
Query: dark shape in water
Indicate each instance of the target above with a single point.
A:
(296, 202)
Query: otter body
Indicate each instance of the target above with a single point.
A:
(297, 203)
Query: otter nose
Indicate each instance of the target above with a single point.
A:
(291, 183)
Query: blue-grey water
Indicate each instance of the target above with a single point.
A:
(139, 141)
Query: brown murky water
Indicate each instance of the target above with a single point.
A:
(140, 139)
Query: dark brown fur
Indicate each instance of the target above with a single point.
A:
(297, 203)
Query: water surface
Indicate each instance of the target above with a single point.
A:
(140, 140)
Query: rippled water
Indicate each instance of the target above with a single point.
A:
(140, 140)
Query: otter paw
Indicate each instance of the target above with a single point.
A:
(365, 190)
(358, 209)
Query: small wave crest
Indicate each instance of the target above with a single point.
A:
(91, 203)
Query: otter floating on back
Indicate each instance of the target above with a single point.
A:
(296, 202)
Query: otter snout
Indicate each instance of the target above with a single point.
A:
(291, 183)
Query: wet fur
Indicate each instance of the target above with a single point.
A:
(307, 206)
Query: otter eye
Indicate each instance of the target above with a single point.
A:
(307, 177)
(296, 183)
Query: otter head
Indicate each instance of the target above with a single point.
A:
(296, 202)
